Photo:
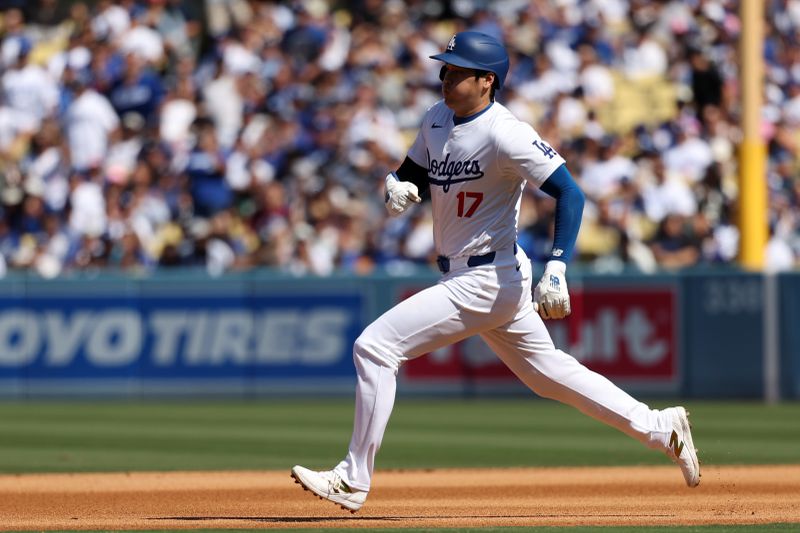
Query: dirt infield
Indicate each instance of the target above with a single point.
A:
(414, 498)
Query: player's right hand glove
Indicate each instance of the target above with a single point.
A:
(550, 297)
(399, 194)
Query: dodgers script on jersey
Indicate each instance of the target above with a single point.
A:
(477, 169)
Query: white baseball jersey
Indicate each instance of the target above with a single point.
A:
(477, 171)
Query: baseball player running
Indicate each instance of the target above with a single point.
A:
(475, 157)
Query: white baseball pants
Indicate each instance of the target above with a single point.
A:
(493, 301)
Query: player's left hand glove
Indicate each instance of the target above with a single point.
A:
(550, 297)
(399, 195)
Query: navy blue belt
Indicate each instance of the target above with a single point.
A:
(473, 260)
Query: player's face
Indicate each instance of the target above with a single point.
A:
(463, 92)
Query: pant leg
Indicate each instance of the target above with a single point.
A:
(435, 317)
(375, 393)
(525, 346)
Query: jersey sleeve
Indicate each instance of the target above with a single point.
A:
(523, 153)
(418, 153)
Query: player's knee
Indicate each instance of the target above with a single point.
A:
(370, 347)
(549, 370)
(361, 347)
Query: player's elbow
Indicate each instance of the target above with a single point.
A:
(572, 196)
(577, 198)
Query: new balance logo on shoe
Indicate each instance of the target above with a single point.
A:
(675, 444)
(680, 447)
(341, 487)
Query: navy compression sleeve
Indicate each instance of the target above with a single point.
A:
(569, 211)
(410, 171)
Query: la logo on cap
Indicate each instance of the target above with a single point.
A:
(452, 43)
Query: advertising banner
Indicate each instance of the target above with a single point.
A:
(628, 334)
(298, 335)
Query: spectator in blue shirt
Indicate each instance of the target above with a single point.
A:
(206, 172)
(140, 90)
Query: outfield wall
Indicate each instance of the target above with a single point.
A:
(697, 334)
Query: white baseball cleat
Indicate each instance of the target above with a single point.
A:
(681, 447)
(328, 485)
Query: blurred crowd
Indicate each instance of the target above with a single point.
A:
(233, 134)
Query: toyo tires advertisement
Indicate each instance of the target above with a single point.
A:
(176, 338)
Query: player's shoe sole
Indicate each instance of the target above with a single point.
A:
(681, 446)
(328, 486)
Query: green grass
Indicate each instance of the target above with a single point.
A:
(118, 436)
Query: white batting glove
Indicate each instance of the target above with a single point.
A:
(399, 194)
(551, 297)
